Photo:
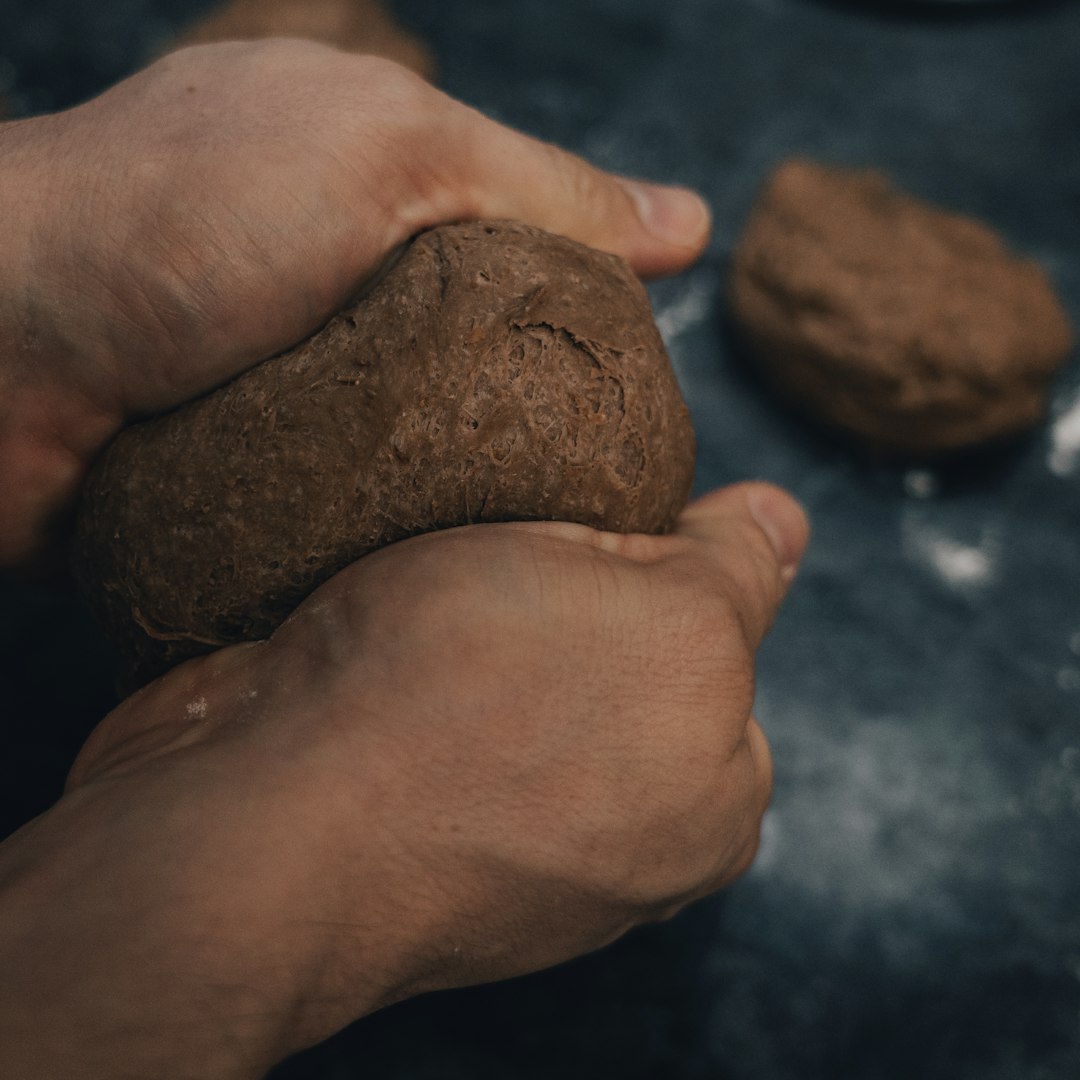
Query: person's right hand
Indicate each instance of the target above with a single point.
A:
(470, 755)
(216, 208)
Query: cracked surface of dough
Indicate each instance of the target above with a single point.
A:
(495, 373)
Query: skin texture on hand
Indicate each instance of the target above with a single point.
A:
(221, 205)
(469, 756)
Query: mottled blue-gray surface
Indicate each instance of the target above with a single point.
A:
(915, 911)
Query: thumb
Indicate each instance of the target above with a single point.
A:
(755, 535)
(488, 170)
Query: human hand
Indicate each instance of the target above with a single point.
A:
(470, 755)
(216, 208)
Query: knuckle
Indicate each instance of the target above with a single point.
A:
(706, 632)
(667, 877)
(396, 84)
(763, 571)
(693, 825)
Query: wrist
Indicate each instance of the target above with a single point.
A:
(99, 979)
(134, 941)
(186, 914)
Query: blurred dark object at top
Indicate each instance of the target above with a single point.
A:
(360, 26)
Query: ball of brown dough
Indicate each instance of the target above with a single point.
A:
(913, 329)
(496, 373)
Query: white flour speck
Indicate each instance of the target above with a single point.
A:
(1068, 679)
(196, 709)
(687, 310)
(958, 564)
(920, 484)
(1065, 438)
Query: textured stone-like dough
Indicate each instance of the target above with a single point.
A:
(911, 328)
(496, 373)
(360, 26)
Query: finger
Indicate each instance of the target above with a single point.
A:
(755, 534)
(755, 758)
(488, 170)
(761, 756)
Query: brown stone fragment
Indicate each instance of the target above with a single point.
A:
(360, 26)
(911, 328)
(496, 373)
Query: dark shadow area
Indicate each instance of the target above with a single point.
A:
(56, 684)
(632, 1011)
(947, 11)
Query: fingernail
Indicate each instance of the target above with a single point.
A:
(674, 215)
(784, 522)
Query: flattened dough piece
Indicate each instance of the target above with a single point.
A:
(911, 328)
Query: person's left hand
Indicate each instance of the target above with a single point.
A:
(216, 208)
(468, 756)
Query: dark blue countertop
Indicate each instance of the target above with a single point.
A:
(915, 910)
